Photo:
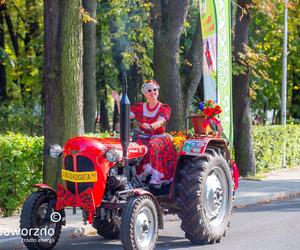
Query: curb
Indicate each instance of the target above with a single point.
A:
(264, 199)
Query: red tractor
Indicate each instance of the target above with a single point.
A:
(100, 177)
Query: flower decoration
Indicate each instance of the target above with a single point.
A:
(209, 109)
(206, 120)
(179, 138)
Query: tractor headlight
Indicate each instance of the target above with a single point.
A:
(113, 155)
(55, 151)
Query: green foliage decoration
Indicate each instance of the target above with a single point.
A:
(268, 146)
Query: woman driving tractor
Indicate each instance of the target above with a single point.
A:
(160, 161)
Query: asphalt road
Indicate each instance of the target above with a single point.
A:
(274, 225)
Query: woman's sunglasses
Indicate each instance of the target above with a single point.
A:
(150, 90)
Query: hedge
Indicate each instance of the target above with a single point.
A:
(21, 160)
(20, 167)
(268, 146)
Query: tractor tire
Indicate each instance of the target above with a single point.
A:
(108, 229)
(37, 233)
(204, 196)
(139, 225)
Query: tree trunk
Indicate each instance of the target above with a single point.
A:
(167, 20)
(31, 25)
(53, 96)
(72, 76)
(3, 94)
(89, 67)
(104, 124)
(100, 85)
(193, 69)
(12, 33)
(135, 80)
(244, 154)
(295, 109)
(63, 90)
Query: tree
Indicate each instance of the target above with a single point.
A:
(89, 66)
(72, 75)
(244, 154)
(3, 94)
(63, 90)
(53, 97)
(168, 19)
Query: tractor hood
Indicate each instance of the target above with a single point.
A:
(99, 146)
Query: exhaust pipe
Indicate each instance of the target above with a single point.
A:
(125, 119)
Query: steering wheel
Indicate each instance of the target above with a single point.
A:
(137, 133)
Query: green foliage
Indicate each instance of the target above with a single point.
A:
(20, 168)
(268, 146)
(15, 117)
(24, 66)
(265, 40)
(125, 38)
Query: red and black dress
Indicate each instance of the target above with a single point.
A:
(160, 160)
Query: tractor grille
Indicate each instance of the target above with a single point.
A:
(83, 164)
(69, 166)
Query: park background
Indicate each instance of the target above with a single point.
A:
(60, 60)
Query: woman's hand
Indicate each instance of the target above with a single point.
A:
(146, 126)
(116, 96)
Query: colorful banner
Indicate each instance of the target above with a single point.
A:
(217, 72)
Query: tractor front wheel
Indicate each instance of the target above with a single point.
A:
(204, 196)
(139, 225)
(40, 227)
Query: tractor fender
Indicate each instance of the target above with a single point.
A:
(42, 186)
(197, 146)
(51, 190)
(140, 192)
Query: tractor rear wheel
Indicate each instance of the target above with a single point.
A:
(139, 226)
(204, 195)
(108, 229)
(37, 230)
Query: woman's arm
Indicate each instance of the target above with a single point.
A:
(117, 98)
(160, 121)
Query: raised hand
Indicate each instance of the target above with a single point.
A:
(116, 96)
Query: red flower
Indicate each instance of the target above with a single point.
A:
(218, 110)
(209, 109)
(208, 112)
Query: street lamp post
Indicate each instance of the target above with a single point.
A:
(284, 78)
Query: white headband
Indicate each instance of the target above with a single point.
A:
(147, 85)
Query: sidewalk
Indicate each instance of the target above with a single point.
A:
(277, 185)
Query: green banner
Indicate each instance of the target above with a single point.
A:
(217, 71)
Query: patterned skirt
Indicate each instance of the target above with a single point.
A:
(159, 162)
